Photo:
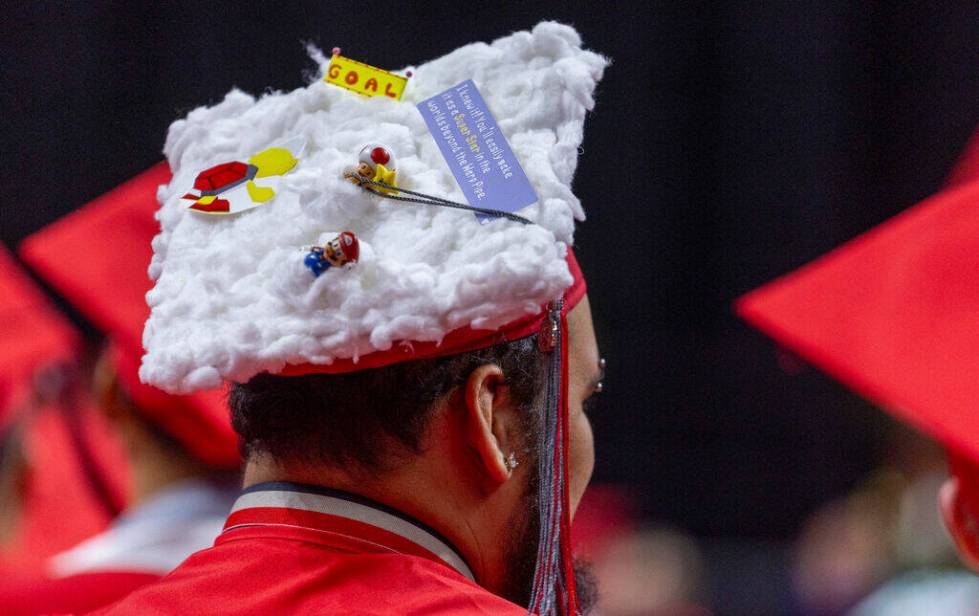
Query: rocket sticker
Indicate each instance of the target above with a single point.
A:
(233, 187)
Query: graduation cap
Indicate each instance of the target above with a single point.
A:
(96, 257)
(235, 295)
(894, 314)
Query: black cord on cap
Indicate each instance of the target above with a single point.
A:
(423, 199)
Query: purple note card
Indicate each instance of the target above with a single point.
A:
(476, 150)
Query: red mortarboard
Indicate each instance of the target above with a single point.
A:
(894, 314)
(97, 258)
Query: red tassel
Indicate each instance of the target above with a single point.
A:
(564, 442)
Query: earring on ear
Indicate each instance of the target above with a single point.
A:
(511, 462)
(600, 385)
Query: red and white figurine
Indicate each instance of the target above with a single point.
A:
(375, 162)
(342, 250)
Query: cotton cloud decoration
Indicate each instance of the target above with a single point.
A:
(232, 298)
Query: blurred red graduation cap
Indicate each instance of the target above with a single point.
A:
(894, 313)
(70, 455)
(97, 258)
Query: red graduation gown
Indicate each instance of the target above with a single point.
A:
(297, 549)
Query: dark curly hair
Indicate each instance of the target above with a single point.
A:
(371, 419)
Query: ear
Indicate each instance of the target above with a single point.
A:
(489, 417)
(961, 523)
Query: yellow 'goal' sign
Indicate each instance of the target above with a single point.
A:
(364, 79)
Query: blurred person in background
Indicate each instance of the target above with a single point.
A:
(895, 315)
(54, 445)
(182, 453)
(883, 547)
(926, 577)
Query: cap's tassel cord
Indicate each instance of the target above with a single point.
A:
(423, 199)
(567, 560)
(554, 591)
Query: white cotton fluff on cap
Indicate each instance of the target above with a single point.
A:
(232, 297)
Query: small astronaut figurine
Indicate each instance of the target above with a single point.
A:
(341, 250)
(376, 162)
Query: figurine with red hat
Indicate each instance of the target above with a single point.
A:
(375, 162)
(342, 250)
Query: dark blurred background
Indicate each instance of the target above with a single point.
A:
(753, 137)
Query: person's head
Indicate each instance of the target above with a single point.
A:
(434, 438)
